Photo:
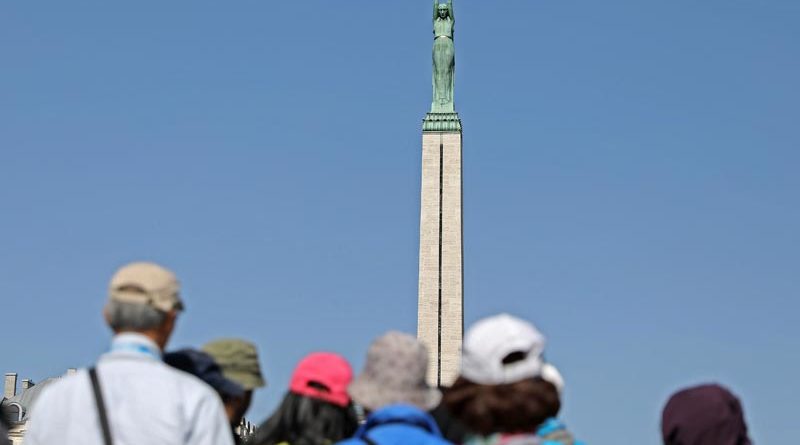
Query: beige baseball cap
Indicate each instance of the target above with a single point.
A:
(146, 283)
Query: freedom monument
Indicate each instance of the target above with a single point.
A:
(440, 316)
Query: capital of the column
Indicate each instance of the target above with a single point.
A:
(444, 122)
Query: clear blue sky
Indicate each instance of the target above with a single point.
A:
(631, 184)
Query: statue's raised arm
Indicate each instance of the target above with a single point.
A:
(452, 11)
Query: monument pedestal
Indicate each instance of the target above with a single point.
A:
(441, 310)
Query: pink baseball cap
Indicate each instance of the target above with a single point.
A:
(324, 376)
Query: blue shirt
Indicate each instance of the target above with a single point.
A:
(399, 425)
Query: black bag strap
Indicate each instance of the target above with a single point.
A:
(101, 407)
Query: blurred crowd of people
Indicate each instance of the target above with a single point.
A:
(506, 393)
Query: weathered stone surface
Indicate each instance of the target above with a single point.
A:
(441, 320)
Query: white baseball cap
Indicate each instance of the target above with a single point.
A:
(552, 375)
(502, 349)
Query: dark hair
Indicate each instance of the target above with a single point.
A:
(508, 408)
(301, 420)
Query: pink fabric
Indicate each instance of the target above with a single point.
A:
(331, 371)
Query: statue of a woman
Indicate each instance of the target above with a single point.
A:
(444, 57)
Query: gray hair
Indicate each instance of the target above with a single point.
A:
(133, 317)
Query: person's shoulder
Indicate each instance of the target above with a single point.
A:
(428, 439)
(65, 386)
(437, 440)
(406, 433)
(55, 394)
(425, 437)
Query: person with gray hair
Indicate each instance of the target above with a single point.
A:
(131, 395)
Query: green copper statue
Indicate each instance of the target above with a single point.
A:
(443, 116)
(444, 57)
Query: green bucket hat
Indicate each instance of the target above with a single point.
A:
(238, 360)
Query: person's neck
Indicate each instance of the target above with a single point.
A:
(153, 335)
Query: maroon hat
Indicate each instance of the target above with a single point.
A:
(706, 414)
(324, 376)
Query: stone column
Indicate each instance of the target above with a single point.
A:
(10, 387)
(440, 323)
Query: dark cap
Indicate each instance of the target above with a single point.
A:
(704, 414)
(203, 366)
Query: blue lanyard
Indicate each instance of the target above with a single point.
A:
(142, 349)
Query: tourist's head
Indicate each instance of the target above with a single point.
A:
(444, 10)
(395, 371)
(324, 376)
(204, 367)
(317, 408)
(238, 360)
(144, 298)
(704, 414)
(501, 388)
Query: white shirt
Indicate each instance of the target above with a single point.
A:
(147, 401)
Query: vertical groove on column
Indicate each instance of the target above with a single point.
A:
(441, 239)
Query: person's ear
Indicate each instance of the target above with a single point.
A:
(172, 317)
(107, 317)
(167, 327)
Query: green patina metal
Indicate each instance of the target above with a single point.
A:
(444, 57)
(445, 122)
(443, 116)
